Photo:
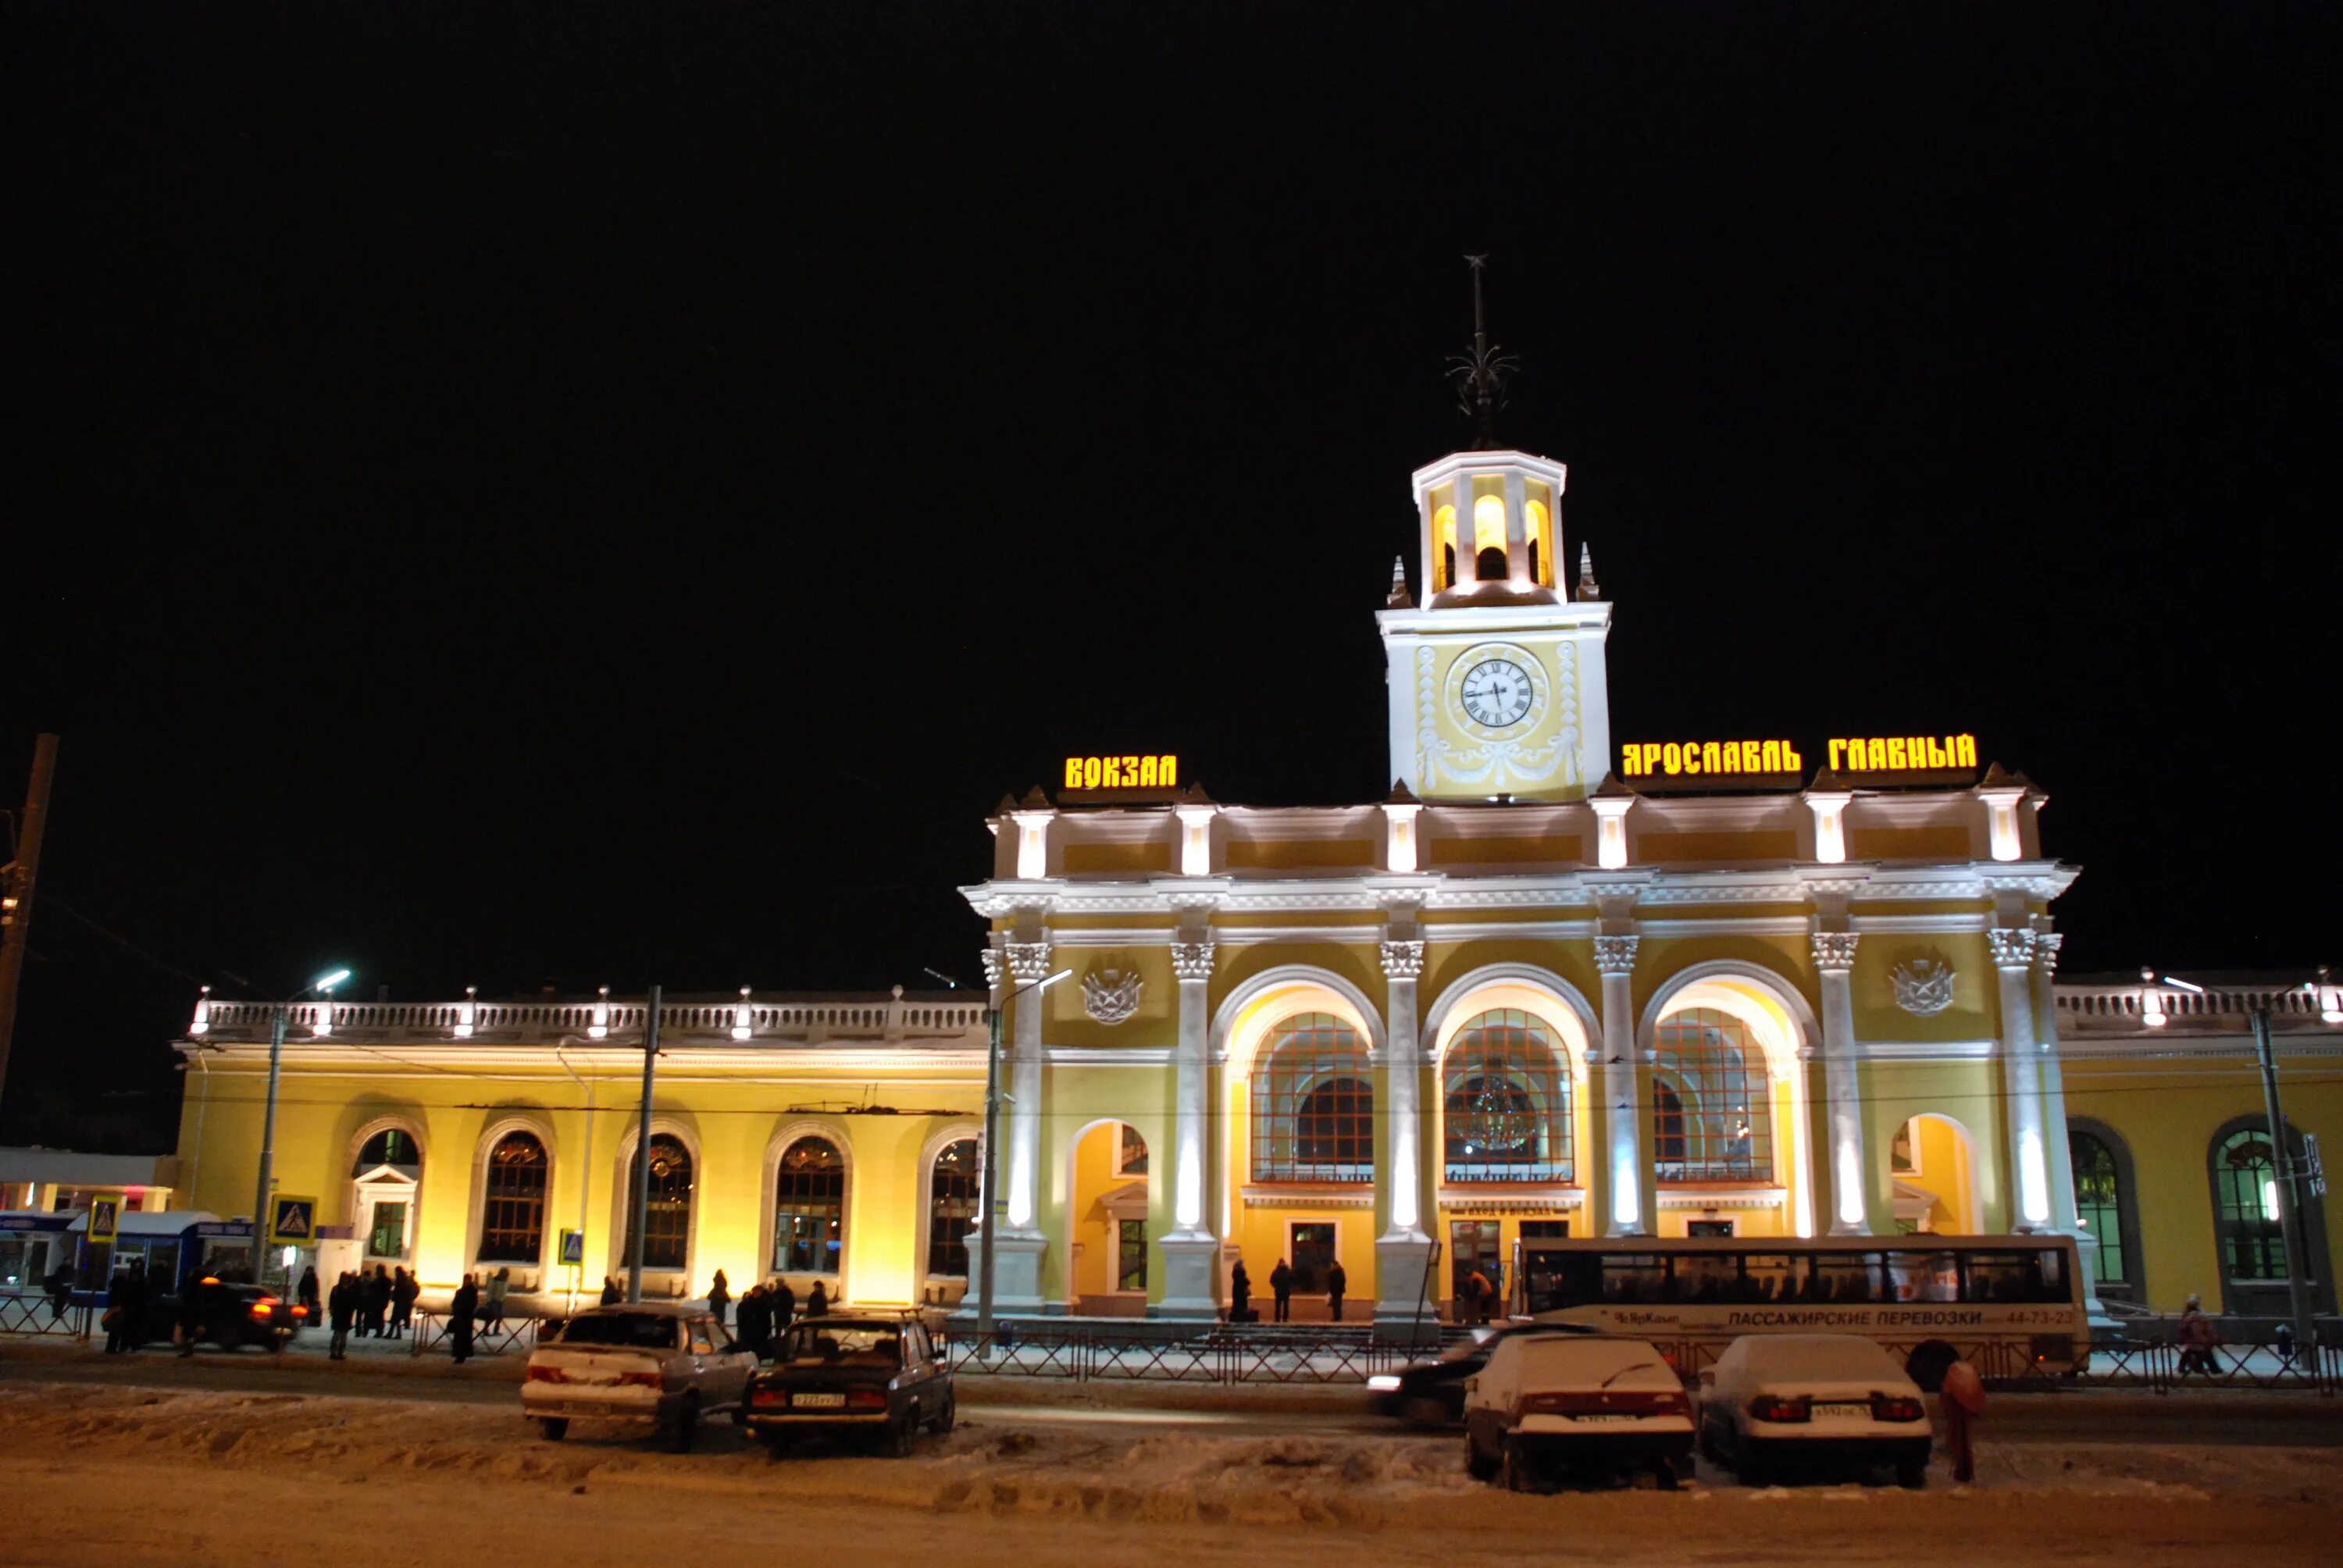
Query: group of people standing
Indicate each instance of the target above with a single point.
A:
(1281, 1280)
(380, 1305)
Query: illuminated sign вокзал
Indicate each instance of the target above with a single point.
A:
(1122, 772)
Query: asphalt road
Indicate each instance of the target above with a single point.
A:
(2201, 1416)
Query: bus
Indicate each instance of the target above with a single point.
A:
(2011, 1306)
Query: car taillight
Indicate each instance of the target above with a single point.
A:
(547, 1374)
(300, 1312)
(1895, 1407)
(641, 1379)
(1769, 1407)
(866, 1398)
(769, 1396)
(260, 1310)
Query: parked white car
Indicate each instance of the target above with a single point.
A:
(1550, 1406)
(661, 1363)
(1775, 1402)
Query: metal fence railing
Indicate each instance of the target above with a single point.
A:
(429, 1331)
(29, 1313)
(1217, 1355)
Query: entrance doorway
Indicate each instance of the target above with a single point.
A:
(384, 1180)
(1475, 1244)
(1932, 1164)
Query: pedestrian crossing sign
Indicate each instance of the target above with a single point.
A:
(292, 1221)
(573, 1249)
(104, 1219)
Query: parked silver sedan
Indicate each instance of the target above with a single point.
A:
(665, 1364)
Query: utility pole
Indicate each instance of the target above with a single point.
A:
(16, 890)
(642, 1196)
(2290, 1196)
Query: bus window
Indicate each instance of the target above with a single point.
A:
(1634, 1277)
(1552, 1281)
(1769, 1277)
(1923, 1277)
(1706, 1277)
(1844, 1277)
(2013, 1277)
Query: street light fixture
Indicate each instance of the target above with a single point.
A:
(321, 987)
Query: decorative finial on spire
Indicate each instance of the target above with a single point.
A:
(1400, 598)
(1481, 373)
(1589, 590)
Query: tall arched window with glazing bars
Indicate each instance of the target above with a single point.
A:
(810, 1208)
(953, 1191)
(1713, 1111)
(667, 1216)
(1313, 1103)
(512, 1206)
(2244, 1206)
(1506, 1102)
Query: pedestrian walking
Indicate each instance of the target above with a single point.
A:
(460, 1311)
(2198, 1335)
(1964, 1401)
(818, 1302)
(756, 1321)
(720, 1296)
(306, 1291)
(1338, 1284)
(341, 1305)
(1239, 1293)
(492, 1309)
(784, 1304)
(190, 1321)
(376, 1300)
(60, 1286)
(1280, 1286)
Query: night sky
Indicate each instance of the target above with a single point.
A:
(597, 494)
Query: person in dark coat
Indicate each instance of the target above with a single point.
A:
(378, 1300)
(1280, 1286)
(756, 1322)
(784, 1302)
(191, 1317)
(611, 1295)
(1239, 1293)
(404, 1289)
(123, 1303)
(1338, 1284)
(341, 1306)
(306, 1291)
(818, 1304)
(60, 1286)
(460, 1318)
(720, 1296)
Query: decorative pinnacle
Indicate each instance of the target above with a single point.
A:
(1481, 373)
(1589, 590)
(1400, 598)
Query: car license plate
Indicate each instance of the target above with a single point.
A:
(1861, 1412)
(819, 1400)
(1610, 1416)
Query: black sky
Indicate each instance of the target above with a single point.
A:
(596, 494)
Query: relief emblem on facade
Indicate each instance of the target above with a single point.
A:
(1924, 985)
(1111, 996)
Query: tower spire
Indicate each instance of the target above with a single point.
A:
(1481, 373)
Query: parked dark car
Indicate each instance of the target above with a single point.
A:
(229, 1314)
(854, 1373)
(1432, 1393)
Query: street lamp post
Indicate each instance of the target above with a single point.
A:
(322, 986)
(2290, 1196)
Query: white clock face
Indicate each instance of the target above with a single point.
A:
(1496, 693)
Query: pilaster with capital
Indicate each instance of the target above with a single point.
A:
(2014, 949)
(2065, 1213)
(1850, 1184)
(1028, 965)
(1403, 1250)
(1190, 1250)
(1623, 1123)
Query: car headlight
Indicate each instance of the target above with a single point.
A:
(1382, 1382)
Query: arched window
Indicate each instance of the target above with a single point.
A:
(1712, 1101)
(2244, 1207)
(952, 1193)
(512, 1212)
(667, 1216)
(810, 1208)
(390, 1147)
(2102, 1205)
(1506, 1098)
(1313, 1105)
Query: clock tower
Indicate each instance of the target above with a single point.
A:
(1497, 683)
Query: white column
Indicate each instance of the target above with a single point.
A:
(1623, 1126)
(2065, 1214)
(1189, 1250)
(2029, 1154)
(1403, 1251)
(1849, 1173)
(1017, 1251)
